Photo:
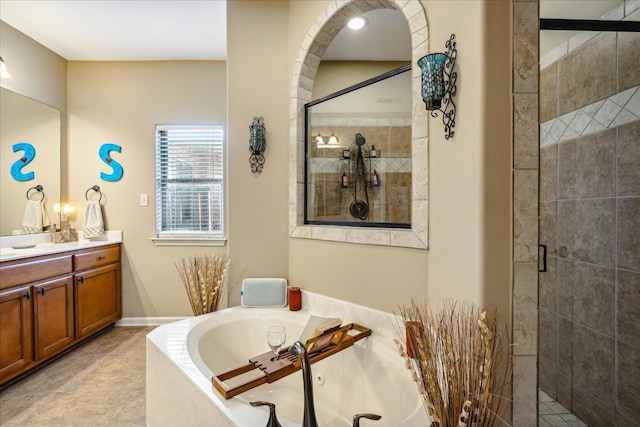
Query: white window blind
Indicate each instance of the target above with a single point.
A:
(189, 181)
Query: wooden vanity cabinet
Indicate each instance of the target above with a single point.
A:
(16, 330)
(97, 290)
(53, 314)
(52, 302)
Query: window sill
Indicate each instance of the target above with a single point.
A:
(188, 241)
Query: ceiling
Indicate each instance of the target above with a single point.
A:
(124, 30)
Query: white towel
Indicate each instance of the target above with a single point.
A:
(35, 217)
(93, 223)
(45, 217)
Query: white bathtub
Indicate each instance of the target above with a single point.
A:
(368, 377)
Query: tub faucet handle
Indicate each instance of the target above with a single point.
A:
(356, 418)
(273, 419)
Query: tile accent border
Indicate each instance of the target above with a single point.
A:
(614, 111)
(381, 165)
(318, 38)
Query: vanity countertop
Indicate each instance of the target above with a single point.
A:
(27, 246)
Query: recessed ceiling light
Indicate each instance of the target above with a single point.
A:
(357, 23)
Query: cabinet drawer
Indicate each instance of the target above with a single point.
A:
(12, 274)
(97, 257)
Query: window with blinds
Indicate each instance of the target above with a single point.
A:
(189, 181)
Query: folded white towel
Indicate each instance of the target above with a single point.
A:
(35, 217)
(32, 220)
(93, 223)
(45, 217)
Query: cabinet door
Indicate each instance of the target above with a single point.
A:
(53, 307)
(97, 294)
(16, 347)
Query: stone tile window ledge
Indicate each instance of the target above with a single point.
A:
(188, 241)
(363, 236)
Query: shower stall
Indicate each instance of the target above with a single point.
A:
(589, 210)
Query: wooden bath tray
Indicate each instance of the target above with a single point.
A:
(318, 348)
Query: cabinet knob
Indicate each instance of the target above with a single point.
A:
(81, 279)
(27, 295)
(41, 291)
(101, 257)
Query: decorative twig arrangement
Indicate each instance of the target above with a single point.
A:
(203, 278)
(459, 362)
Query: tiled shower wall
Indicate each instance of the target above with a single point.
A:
(390, 202)
(589, 299)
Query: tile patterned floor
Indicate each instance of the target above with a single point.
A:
(553, 414)
(101, 383)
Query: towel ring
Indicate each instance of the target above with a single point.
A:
(95, 188)
(38, 188)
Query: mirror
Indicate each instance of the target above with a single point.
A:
(306, 84)
(23, 119)
(367, 185)
(358, 149)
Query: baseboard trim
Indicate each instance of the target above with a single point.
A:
(147, 321)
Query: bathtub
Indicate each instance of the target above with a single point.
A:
(370, 376)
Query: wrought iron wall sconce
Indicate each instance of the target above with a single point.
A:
(257, 143)
(439, 84)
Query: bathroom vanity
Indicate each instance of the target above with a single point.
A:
(52, 298)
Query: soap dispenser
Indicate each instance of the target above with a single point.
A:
(344, 180)
(375, 179)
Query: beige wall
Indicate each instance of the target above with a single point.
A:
(258, 85)
(121, 102)
(469, 182)
(469, 176)
(333, 76)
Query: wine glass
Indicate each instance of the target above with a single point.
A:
(276, 336)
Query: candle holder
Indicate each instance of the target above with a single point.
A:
(257, 144)
(439, 84)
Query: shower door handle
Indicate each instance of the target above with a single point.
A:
(542, 258)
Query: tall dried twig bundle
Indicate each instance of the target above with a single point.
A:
(203, 278)
(459, 362)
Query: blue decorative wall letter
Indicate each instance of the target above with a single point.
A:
(29, 155)
(104, 155)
